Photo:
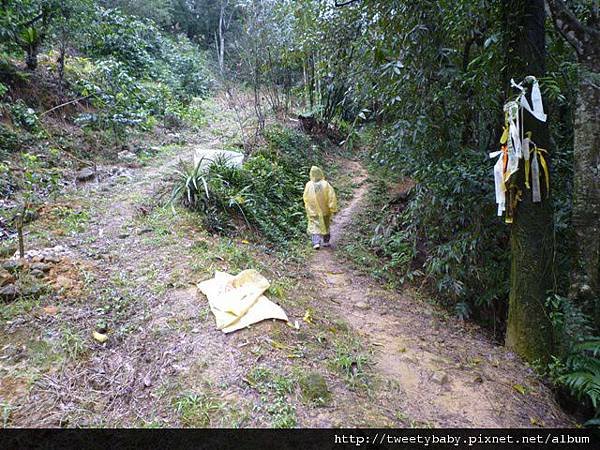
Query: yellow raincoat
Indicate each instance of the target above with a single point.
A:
(320, 202)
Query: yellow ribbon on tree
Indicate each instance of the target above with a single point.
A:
(538, 154)
(526, 155)
(504, 136)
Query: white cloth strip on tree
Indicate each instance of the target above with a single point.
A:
(514, 137)
(517, 145)
(499, 182)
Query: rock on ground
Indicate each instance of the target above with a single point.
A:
(5, 277)
(9, 293)
(205, 157)
(440, 378)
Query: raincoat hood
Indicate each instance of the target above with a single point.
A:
(316, 174)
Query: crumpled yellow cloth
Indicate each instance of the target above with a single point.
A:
(238, 301)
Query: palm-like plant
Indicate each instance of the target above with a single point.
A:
(584, 374)
(191, 187)
(30, 39)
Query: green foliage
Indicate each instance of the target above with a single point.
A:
(159, 11)
(570, 324)
(6, 182)
(140, 73)
(27, 25)
(131, 41)
(147, 53)
(199, 19)
(458, 246)
(579, 368)
(314, 389)
(117, 97)
(351, 361)
(24, 117)
(191, 188)
(584, 373)
(431, 74)
(72, 344)
(74, 222)
(192, 113)
(37, 180)
(34, 183)
(184, 69)
(7, 409)
(266, 192)
(21, 128)
(10, 140)
(29, 36)
(132, 74)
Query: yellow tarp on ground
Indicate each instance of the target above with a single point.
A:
(238, 301)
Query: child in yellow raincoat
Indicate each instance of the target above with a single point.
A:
(320, 203)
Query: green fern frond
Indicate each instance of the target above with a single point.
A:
(584, 372)
(584, 384)
(592, 347)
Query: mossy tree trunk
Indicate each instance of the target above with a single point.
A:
(586, 196)
(529, 331)
(585, 39)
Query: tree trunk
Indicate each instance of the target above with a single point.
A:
(260, 118)
(61, 63)
(311, 97)
(19, 221)
(529, 331)
(221, 42)
(586, 195)
(585, 39)
(305, 80)
(31, 60)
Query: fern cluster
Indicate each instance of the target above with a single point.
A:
(583, 377)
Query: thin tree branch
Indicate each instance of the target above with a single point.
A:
(568, 26)
(344, 3)
(32, 21)
(228, 21)
(64, 104)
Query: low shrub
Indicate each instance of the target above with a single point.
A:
(265, 192)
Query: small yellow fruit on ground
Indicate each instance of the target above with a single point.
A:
(100, 337)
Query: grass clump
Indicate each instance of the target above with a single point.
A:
(351, 360)
(274, 391)
(197, 410)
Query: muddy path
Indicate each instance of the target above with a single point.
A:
(438, 371)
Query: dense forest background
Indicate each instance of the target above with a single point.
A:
(417, 88)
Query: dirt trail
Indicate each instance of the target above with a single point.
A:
(434, 369)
